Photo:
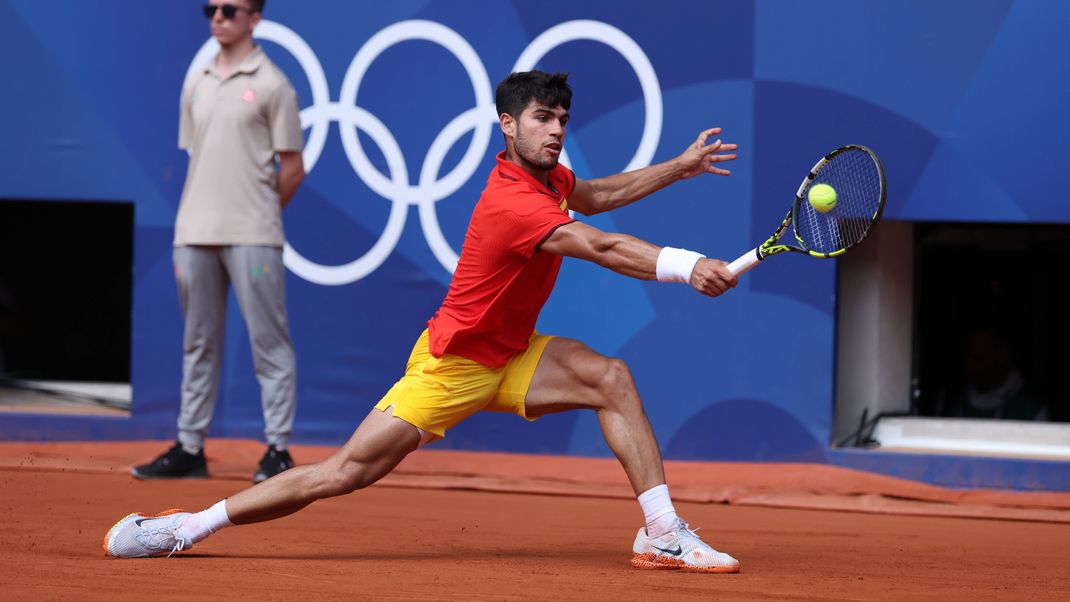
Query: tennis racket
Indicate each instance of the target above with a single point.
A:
(856, 174)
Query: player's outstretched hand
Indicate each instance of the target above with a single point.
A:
(702, 158)
(712, 277)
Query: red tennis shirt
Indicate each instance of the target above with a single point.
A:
(502, 280)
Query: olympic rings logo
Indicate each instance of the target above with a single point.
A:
(481, 119)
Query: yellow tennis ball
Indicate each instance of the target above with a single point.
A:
(822, 197)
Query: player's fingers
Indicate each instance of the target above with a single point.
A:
(726, 275)
(711, 168)
(715, 278)
(706, 134)
(719, 147)
(715, 285)
(710, 148)
(721, 158)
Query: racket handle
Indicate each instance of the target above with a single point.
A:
(745, 262)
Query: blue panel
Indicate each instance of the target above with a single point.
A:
(1017, 102)
(688, 42)
(700, 353)
(505, 432)
(51, 427)
(912, 57)
(960, 471)
(745, 429)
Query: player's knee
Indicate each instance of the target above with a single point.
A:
(343, 478)
(616, 385)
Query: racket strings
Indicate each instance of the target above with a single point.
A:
(857, 181)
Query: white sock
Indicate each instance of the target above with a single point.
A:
(659, 511)
(204, 523)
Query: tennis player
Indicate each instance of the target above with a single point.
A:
(480, 351)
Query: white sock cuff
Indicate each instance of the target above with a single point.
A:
(655, 495)
(658, 510)
(215, 518)
(676, 265)
(206, 522)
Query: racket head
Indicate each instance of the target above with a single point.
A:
(856, 173)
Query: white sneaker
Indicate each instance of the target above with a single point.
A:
(138, 535)
(680, 549)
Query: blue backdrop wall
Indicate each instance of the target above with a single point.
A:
(960, 98)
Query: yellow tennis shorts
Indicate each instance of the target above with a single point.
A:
(438, 393)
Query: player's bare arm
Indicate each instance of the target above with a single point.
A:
(604, 194)
(633, 257)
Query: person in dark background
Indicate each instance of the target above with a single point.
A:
(993, 386)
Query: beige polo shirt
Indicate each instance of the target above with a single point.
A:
(233, 127)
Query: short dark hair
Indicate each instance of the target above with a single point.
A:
(517, 89)
(257, 5)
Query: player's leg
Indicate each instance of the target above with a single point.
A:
(202, 293)
(378, 445)
(572, 376)
(258, 278)
(434, 395)
(569, 375)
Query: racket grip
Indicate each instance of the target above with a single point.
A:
(745, 262)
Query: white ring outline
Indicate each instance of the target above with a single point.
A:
(429, 190)
(616, 39)
(480, 119)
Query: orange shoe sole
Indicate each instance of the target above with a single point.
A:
(655, 562)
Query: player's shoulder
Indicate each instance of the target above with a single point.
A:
(506, 181)
(503, 183)
(511, 190)
(501, 194)
(507, 191)
(562, 179)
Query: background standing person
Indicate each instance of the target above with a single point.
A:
(239, 114)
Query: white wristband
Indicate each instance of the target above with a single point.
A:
(676, 265)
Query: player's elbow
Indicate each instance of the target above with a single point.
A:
(605, 249)
(604, 243)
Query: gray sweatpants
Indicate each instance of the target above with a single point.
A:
(203, 274)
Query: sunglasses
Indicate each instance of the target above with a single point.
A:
(229, 10)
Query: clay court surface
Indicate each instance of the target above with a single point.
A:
(422, 537)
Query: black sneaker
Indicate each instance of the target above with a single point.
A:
(273, 462)
(175, 463)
